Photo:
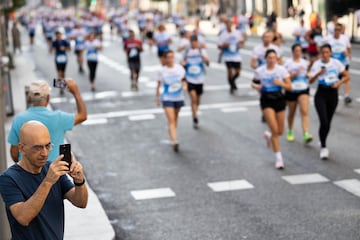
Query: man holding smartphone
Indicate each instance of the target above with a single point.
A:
(58, 122)
(34, 189)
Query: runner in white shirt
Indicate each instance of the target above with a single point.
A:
(149, 28)
(269, 80)
(243, 22)
(163, 40)
(92, 46)
(258, 56)
(300, 37)
(341, 50)
(194, 61)
(222, 28)
(230, 43)
(184, 43)
(299, 95)
(172, 78)
(79, 34)
(326, 72)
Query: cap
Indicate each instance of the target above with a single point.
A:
(39, 90)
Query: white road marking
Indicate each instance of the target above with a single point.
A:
(160, 110)
(188, 113)
(232, 110)
(357, 171)
(97, 121)
(230, 185)
(350, 185)
(153, 193)
(305, 178)
(141, 117)
(58, 100)
(144, 79)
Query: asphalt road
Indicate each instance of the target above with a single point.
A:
(222, 184)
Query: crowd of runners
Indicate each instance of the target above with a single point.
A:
(318, 55)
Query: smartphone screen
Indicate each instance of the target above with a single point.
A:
(59, 83)
(66, 150)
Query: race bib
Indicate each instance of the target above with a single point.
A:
(61, 59)
(338, 49)
(133, 52)
(194, 70)
(233, 48)
(175, 87)
(331, 78)
(299, 86)
(317, 39)
(92, 56)
(79, 39)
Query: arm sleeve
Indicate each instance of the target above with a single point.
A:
(66, 184)
(13, 137)
(10, 192)
(67, 120)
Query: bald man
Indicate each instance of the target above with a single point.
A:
(33, 190)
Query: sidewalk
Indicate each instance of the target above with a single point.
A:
(90, 223)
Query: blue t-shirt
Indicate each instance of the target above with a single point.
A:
(60, 55)
(57, 122)
(18, 185)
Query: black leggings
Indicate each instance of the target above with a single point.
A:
(92, 69)
(326, 100)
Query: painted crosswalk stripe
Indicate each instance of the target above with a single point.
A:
(305, 178)
(97, 121)
(350, 185)
(141, 117)
(232, 110)
(230, 185)
(153, 193)
(357, 171)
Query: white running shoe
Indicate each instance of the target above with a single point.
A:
(267, 136)
(324, 153)
(279, 164)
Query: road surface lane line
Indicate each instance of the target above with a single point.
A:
(350, 185)
(141, 117)
(230, 185)
(97, 121)
(153, 193)
(232, 110)
(305, 178)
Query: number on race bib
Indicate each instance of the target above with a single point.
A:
(92, 56)
(195, 70)
(133, 52)
(299, 86)
(174, 87)
(61, 59)
(331, 78)
(233, 48)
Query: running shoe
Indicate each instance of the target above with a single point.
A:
(279, 164)
(347, 100)
(196, 123)
(324, 154)
(263, 120)
(290, 135)
(176, 147)
(307, 137)
(267, 136)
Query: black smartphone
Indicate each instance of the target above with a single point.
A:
(66, 150)
(59, 83)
